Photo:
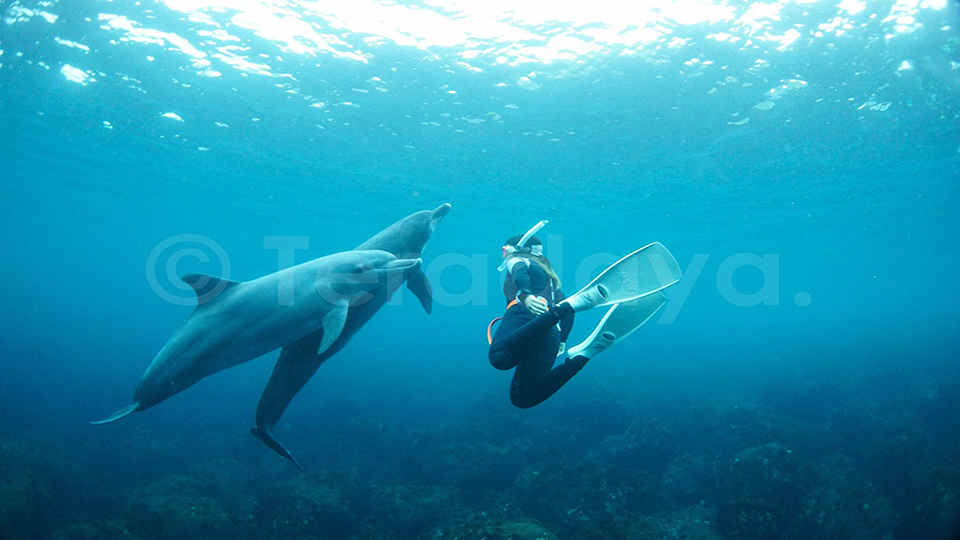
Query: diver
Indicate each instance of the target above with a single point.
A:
(534, 329)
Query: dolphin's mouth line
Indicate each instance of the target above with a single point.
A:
(402, 264)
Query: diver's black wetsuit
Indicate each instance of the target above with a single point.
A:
(531, 343)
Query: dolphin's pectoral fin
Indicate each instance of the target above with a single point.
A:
(268, 440)
(208, 287)
(333, 323)
(297, 363)
(119, 414)
(419, 285)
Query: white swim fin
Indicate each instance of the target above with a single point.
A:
(643, 272)
(620, 321)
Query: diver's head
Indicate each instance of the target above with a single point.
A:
(512, 246)
(531, 248)
(525, 245)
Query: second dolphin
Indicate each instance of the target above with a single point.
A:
(300, 360)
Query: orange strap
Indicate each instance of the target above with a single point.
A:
(493, 322)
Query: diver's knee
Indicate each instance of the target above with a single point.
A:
(523, 401)
(501, 360)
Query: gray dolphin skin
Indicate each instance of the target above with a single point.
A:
(298, 361)
(235, 322)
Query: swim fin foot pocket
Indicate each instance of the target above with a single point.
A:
(647, 270)
(620, 321)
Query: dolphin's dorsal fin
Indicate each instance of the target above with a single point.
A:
(208, 287)
(419, 285)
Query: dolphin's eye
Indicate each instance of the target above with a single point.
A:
(348, 268)
(362, 268)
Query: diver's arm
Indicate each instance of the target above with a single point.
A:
(521, 278)
(520, 272)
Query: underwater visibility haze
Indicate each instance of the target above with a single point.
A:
(799, 158)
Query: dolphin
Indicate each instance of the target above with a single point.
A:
(235, 322)
(299, 360)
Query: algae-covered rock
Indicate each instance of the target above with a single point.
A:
(95, 530)
(187, 506)
(481, 527)
(26, 497)
(407, 511)
(650, 443)
(369, 529)
(520, 530)
(691, 479)
(689, 524)
(936, 511)
(844, 506)
(693, 523)
(732, 429)
(474, 466)
(317, 506)
(751, 519)
(35, 486)
(899, 449)
(585, 494)
(780, 496)
(771, 472)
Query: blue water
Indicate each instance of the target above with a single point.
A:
(844, 180)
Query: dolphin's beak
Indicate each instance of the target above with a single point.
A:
(440, 212)
(402, 264)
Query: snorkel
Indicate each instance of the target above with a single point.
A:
(510, 250)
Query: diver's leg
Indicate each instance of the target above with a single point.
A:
(521, 335)
(536, 378)
(502, 356)
(533, 330)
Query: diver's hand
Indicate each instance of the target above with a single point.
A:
(535, 304)
(563, 349)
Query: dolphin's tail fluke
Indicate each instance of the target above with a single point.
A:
(119, 414)
(268, 440)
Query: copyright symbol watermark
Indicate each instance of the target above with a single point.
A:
(161, 269)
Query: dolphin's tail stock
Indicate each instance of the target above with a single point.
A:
(268, 440)
(119, 414)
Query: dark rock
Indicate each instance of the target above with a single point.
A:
(733, 429)
(845, 506)
(370, 529)
(585, 494)
(771, 472)
(935, 512)
(188, 506)
(408, 511)
(95, 530)
(481, 527)
(36, 484)
(689, 524)
(898, 449)
(519, 530)
(690, 479)
(317, 506)
(751, 519)
(650, 444)
(473, 466)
